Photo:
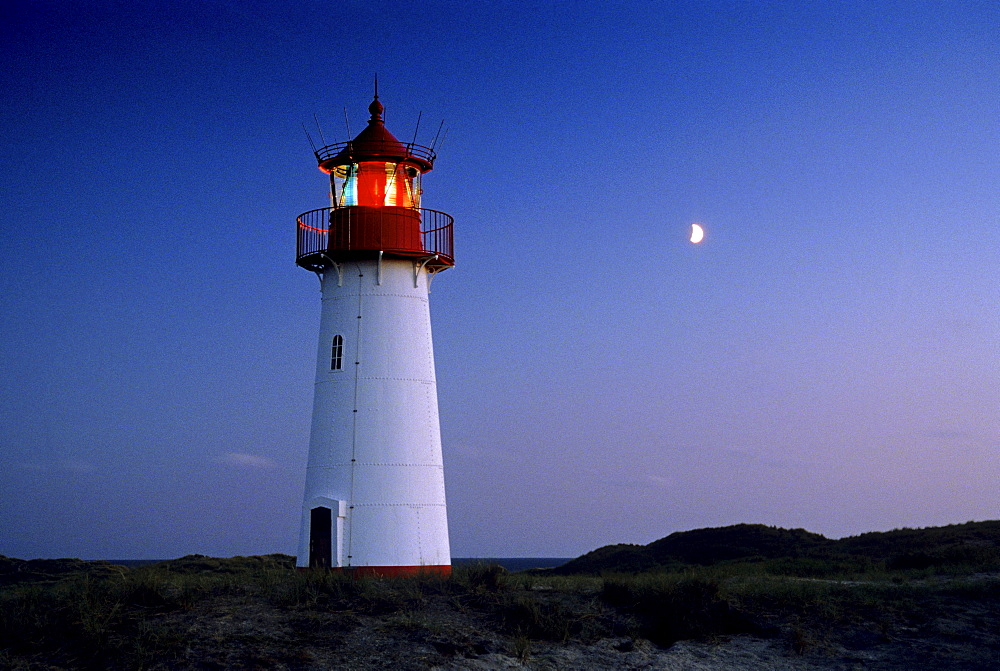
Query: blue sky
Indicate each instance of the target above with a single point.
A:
(827, 358)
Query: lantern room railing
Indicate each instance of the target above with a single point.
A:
(373, 230)
(388, 149)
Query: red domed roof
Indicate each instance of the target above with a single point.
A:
(375, 143)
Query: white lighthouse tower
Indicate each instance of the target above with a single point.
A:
(374, 496)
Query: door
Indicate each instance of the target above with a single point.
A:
(320, 538)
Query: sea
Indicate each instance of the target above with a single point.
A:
(512, 564)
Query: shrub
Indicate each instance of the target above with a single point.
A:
(486, 577)
(525, 615)
(673, 607)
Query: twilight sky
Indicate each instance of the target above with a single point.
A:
(827, 358)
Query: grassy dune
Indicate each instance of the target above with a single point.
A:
(867, 608)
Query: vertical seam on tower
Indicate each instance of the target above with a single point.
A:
(420, 538)
(354, 423)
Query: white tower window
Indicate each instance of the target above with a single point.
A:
(337, 353)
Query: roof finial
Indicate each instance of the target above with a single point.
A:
(376, 108)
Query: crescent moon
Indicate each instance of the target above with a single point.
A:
(697, 233)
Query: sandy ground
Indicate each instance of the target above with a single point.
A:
(439, 636)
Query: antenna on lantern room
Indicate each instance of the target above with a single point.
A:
(437, 135)
(320, 129)
(414, 141)
(309, 137)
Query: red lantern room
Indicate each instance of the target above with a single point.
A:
(375, 189)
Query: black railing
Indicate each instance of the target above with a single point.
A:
(389, 149)
(375, 229)
(437, 230)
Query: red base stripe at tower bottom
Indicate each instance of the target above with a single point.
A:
(437, 571)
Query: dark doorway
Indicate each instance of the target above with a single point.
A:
(320, 536)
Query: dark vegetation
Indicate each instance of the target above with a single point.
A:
(920, 598)
(798, 552)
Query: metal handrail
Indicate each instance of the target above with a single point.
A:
(313, 236)
(331, 151)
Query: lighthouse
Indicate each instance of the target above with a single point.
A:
(374, 495)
